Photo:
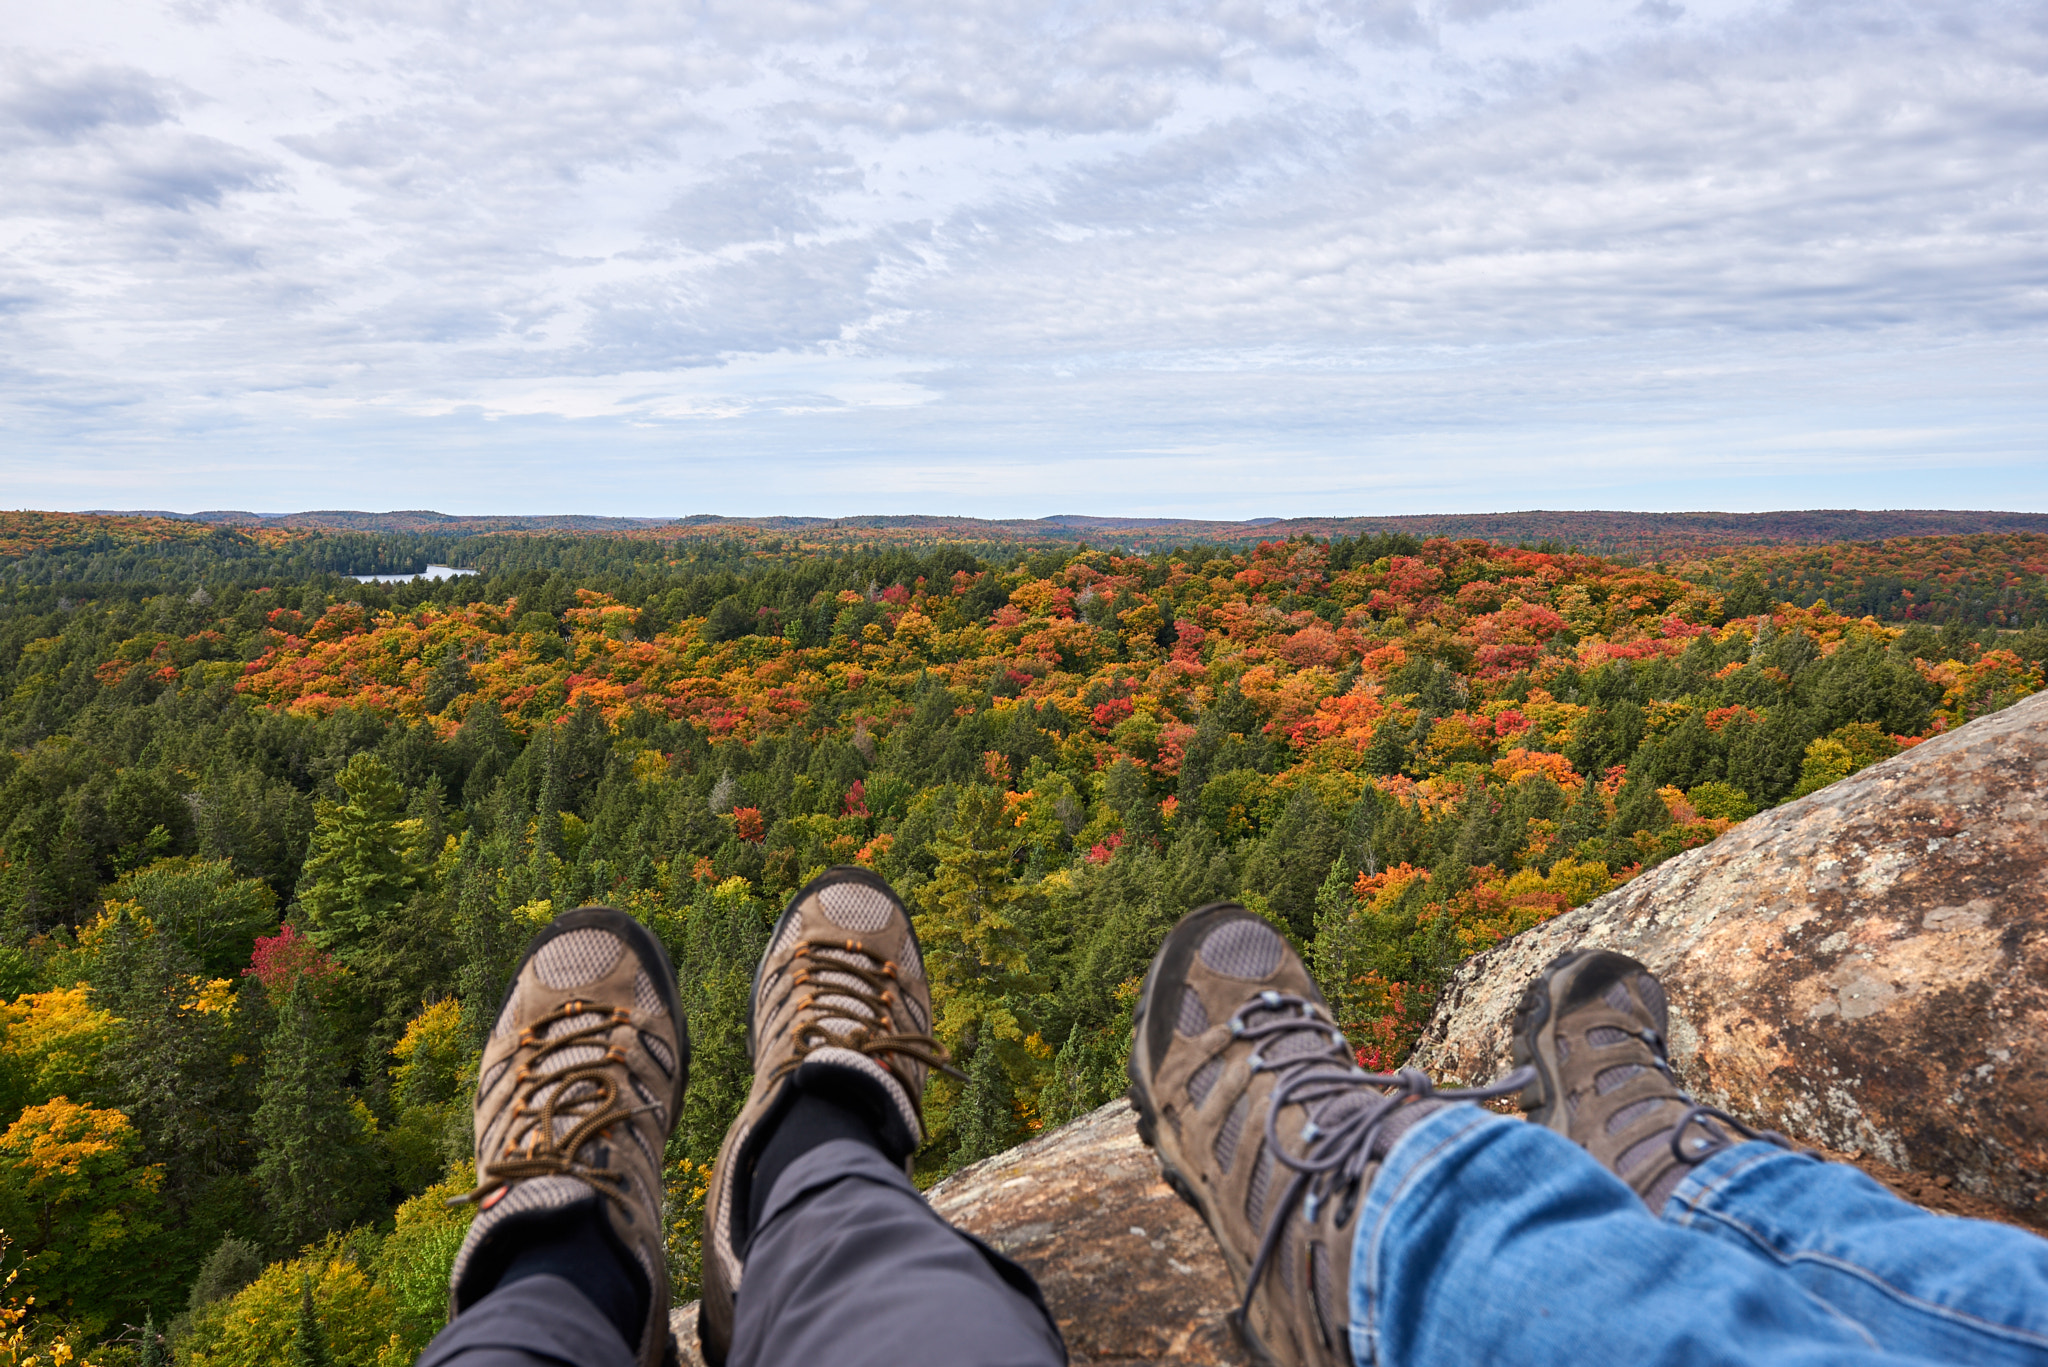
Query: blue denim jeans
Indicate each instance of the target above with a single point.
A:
(1485, 1239)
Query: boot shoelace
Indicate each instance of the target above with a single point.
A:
(588, 1091)
(1333, 1159)
(868, 1001)
(1697, 1114)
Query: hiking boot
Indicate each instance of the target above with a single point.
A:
(1592, 1027)
(580, 1083)
(840, 1008)
(1262, 1120)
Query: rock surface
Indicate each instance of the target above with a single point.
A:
(1127, 1269)
(1865, 968)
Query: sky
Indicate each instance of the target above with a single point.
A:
(1215, 258)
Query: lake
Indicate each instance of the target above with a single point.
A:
(436, 572)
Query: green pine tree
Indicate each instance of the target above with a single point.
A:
(153, 1354)
(971, 929)
(985, 1117)
(1336, 954)
(1584, 820)
(356, 872)
(1065, 1094)
(310, 1165)
(309, 1342)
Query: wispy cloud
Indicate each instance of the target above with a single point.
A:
(1217, 256)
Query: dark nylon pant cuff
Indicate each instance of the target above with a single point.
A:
(541, 1321)
(850, 1265)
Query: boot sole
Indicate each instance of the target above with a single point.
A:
(1543, 1098)
(1148, 1125)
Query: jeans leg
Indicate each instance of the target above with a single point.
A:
(534, 1322)
(1960, 1290)
(1485, 1239)
(851, 1267)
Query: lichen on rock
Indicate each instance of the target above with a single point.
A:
(1865, 968)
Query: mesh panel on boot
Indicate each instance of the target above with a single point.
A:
(1652, 993)
(856, 906)
(1605, 1036)
(1617, 996)
(1640, 1152)
(1634, 1111)
(1607, 1079)
(646, 1001)
(579, 957)
(1249, 950)
(1233, 1128)
(1294, 1045)
(508, 1014)
(658, 1051)
(1194, 1017)
(1255, 1198)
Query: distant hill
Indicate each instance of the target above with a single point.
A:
(1654, 535)
(408, 520)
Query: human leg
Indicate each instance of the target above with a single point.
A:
(1467, 1237)
(816, 1245)
(1955, 1289)
(1486, 1239)
(581, 1081)
(543, 1321)
(851, 1265)
(1593, 1026)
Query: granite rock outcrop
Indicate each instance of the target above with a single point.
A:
(1865, 969)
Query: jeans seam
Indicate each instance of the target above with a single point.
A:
(1960, 1318)
(1694, 1191)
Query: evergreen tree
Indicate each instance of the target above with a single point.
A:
(310, 1165)
(1585, 819)
(309, 1342)
(232, 1265)
(153, 1353)
(1129, 794)
(1638, 808)
(985, 1117)
(181, 1076)
(356, 873)
(724, 933)
(971, 932)
(1065, 1094)
(1337, 952)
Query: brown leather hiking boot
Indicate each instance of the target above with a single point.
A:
(1263, 1121)
(580, 1084)
(1592, 1027)
(839, 994)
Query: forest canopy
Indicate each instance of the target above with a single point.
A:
(271, 839)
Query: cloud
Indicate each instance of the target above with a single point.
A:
(1275, 231)
(79, 102)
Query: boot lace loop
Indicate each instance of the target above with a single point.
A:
(588, 1091)
(1336, 1142)
(862, 991)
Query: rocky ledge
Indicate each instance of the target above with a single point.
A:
(1865, 969)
